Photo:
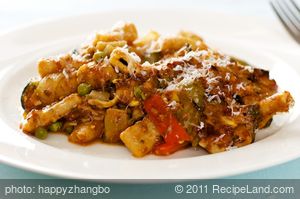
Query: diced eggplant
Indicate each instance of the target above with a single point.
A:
(116, 121)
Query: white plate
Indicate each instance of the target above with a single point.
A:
(240, 36)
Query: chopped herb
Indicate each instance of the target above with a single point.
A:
(139, 93)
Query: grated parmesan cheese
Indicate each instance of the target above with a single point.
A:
(178, 68)
(213, 79)
(232, 107)
(223, 61)
(212, 97)
(135, 57)
(106, 60)
(188, 76)
(144, 73)
(240, 86)
(200, 126)
(173, 104)
(229, 87)
(227, 76)
(219, 138)
(250, 69)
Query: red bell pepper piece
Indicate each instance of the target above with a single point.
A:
(173, 133)
(167, 148)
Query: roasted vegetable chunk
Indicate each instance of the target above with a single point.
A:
(115, 122)
(87, 132)
(140, 138)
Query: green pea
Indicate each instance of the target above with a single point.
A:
(41, 133)
(84, 89)
(98, 55)
(69, 129)
(56, 126)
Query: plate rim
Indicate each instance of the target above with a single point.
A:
(29, 167)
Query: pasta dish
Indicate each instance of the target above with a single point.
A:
(154, 94)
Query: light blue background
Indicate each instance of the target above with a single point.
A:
(14, 13)
(290, 170)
